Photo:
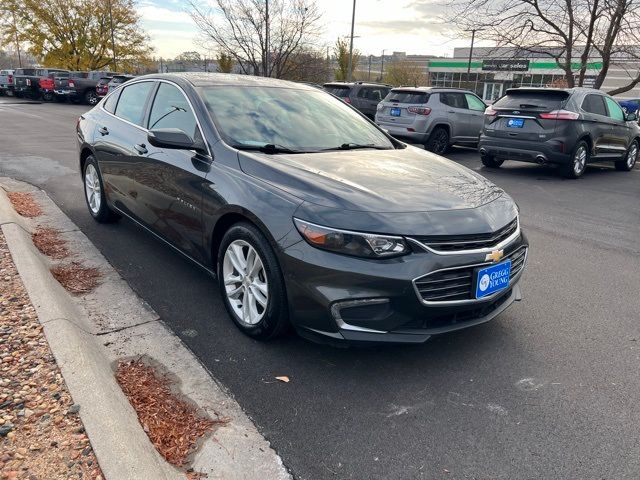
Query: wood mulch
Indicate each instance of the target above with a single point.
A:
(24, 204)
(77, 278)
(50, 243)
(173, 425)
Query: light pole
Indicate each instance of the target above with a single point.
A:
(353, 21)
(113, 41)
(15, 29)
(382, 67)
(473, 37)
(266, 40)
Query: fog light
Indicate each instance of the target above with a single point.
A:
(371, 310)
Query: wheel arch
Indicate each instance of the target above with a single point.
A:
(587, 138)
(233, 215)
(85, 152)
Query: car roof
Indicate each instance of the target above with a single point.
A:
(570, 91)
(354, 84)
(431, 89)
(201, 79)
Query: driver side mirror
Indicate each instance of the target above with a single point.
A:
(630, 117)
(174, 138)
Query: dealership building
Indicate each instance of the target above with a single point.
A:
(492, 70)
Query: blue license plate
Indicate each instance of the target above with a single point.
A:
(395, 112)
(493, 279)
(515, 122)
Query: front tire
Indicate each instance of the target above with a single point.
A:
(438, 141)
(251, 283)
(579, 160)
(491, 162)
(630, 158)
(94, 193)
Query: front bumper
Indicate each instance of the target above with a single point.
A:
(336, 298)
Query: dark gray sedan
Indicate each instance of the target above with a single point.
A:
(309, 215)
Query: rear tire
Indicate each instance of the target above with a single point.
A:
(94, 193)
(251, 283)
(491, 162)
(579, 160)
(438, 141)
(48, 97)
(91, 97)
(630, 158)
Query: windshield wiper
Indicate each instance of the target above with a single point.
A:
(268, 148)
(356, 146)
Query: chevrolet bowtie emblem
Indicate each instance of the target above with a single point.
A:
(494, 256)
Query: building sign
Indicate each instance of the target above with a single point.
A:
(505, 65)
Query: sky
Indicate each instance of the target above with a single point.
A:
(409, 26)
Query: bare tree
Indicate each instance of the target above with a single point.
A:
(238, 28)
(403, 73)
(570, 32)
(341, 52)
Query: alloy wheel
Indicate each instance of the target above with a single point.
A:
(92, 189)
(92, 98)
(580, 160)
(440, 141)
(632, 156)
(245, 282)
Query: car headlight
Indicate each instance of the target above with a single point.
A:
(352, 243)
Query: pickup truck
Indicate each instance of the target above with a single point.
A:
(6, 82)
(27, 81)
(48, 84)
(80, 86)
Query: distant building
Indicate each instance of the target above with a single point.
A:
(493, 70)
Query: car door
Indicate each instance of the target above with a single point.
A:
(120, 140)
(475, 116)
(598, 123)
(169, 183)
(620, 128)
(369, 98)
(457, 113)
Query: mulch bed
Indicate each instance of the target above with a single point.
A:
(24, 204)
(77, 278)
(173, 425)
(49, 242)
(41, 434)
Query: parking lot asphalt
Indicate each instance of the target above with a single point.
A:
(547, 390)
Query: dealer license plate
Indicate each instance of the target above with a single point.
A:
(492, 279)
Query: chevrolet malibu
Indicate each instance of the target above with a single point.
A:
(307, 213)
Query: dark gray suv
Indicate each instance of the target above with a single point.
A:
(566, 127)
(362, 95)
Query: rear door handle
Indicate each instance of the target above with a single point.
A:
(141, 148)
(104, 131)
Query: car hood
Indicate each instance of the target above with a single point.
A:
(385, 181)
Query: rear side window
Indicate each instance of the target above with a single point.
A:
(594, 104)
(407, 96)
(110, 103)
(373, 93)
(455, 100)
(338, 91)
(545, 100)
(172, 110)
(132, 101)
(475, 103)
(615, 111)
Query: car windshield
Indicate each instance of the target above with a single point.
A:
(290, 119)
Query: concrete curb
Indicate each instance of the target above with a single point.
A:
(89, 334)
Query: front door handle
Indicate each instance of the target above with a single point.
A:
(104, 131)
(141, 148)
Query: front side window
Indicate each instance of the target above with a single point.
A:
(172, 110)
(475, 103)
(615, 111)
(299, 120)
(132, 101)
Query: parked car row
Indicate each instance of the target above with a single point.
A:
(57, 84)
(565, 127)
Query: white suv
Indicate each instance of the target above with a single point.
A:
(434, 117)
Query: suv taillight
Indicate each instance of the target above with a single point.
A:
(10, 78)
(560, 115)
(420, 110)
(490, 112)
(346, 100)
(72, 84)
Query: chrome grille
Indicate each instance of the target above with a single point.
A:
(455, 243)
(456, 284)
